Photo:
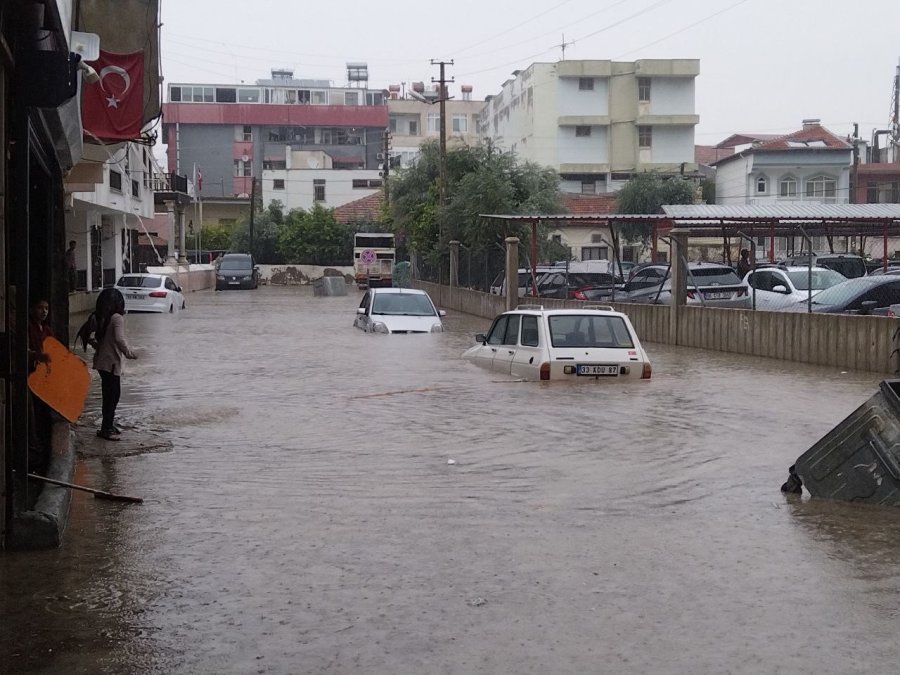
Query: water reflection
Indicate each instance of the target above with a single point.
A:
(308, 520)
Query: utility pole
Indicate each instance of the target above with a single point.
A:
(252, 210)
(386, 154)
(896, 116)
(562, 45)
(442, 98)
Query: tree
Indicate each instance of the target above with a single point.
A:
(647, 193)
(216, 237)
(266, 225)
(314, 237)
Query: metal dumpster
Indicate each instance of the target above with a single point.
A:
(329, 286)
(858, 460)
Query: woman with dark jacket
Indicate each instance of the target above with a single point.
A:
(105, 332)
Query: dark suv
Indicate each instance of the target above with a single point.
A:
(851, 266)
(236, 270)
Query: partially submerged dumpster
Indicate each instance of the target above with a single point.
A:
(858, 460)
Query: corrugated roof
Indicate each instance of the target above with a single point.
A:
(776, 211)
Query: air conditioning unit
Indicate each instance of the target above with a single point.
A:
(380, 156)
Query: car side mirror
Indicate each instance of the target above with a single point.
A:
(442, 312)
(868, 306)
(780, 288)
(480, 337)
(360, 310)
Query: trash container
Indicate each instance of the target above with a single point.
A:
(858, 460)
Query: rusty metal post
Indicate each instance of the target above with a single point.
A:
(678, 265)
(512, 272)
(454, 269)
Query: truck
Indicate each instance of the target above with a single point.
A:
(373, 258)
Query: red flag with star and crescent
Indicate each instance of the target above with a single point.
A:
(113, 107)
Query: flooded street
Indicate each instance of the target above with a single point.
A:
(307, 520)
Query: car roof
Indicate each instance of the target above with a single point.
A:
(587, 310)
(798, 268)
(408, 291)
(142, 274)
(236, 255)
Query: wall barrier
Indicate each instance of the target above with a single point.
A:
(838, 340)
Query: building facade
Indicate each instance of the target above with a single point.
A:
(598, 122)
(237, 133)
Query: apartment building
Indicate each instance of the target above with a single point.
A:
(598, 122)
(235, 133)
(414, 117)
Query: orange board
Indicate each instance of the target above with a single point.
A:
(63, 383)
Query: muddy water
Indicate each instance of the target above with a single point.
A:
(307, 519)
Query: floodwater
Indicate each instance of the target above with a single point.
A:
(307, 519)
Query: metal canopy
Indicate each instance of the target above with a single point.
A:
(572, 217)
(806, 211)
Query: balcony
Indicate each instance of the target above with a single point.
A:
(169, 187)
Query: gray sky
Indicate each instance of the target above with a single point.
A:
(764, 64)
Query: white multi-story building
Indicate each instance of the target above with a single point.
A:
(598, 122)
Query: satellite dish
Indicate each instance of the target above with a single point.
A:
(313, 163)
(245, 158)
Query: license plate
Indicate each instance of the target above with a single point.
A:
(716, 296)
(605, 370)
(234, 283)
(135, 297)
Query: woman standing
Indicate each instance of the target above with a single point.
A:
(105, 331)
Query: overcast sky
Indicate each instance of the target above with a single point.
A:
(765, 65)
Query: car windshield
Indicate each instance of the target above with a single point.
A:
(844, 291)
(584, 330)
(235, 264)
(139, 282)
(821, 279)
(849, 267)
(402, 304)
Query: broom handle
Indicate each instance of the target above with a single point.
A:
(97, 493)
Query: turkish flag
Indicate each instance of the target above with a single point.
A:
(113, 108)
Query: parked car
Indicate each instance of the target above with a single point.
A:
(862, 295)
(398, 310)
(776, 287)
(150, 293)
(712, 284)
(851, 266)
(236, 270)
(892, 269)
(558, 284)
(562, 344)
(498, 285)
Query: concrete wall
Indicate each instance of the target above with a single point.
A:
(672, 96)
(672, 144)
(575, 101)
(591, 149)
(836, 340)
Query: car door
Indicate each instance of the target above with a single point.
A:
(883, 295)
(526, 362)
(761, 284)
(506, 350)
(176, 299)
(484, 356)
(363, 320)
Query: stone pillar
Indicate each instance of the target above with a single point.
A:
(171, 231)
(182, 258)
(454, 268)
(89, 283)
(678, 257)
(512, 272)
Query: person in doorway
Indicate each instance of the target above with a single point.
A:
(38, 331)
(71, 265)
(105, 331)
(744, 266)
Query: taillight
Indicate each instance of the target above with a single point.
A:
(741, 292)
(690, 295)
(157, 294)
(545, 371)
(647, 371)
(578, 295)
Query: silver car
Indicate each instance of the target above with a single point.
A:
(709, 284)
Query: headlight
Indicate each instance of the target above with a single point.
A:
(219, 277)
(379, 327)
(437, 328)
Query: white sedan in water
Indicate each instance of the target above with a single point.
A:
(150, 293)
(594, 343)
(398, 310)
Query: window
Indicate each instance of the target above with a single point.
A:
(529, 331)
(498, 330)
(761, 185)
(115, 181)
(787, 188)
(366, 183)
(588, 187)
(375, 98)
(319, 189)
(589, 331)
(434, 122)
(582, 132)
(821, 187)
(586, 84)
(392, 125)
(645, 137)
(319, 97)
(594, 253)
(644, 89)
(226, 95)
(413, 128)
(136, 189)
(198, 94)
(556, 238)
(248, 95)
(460, 123)
(242, 168)
(278, 184)
(303, 96)
(175, 94)
(247, 133)
(351, 98)
(274, 165)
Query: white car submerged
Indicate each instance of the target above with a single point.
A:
(398, 310)
(532, 343)
(150, 293)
